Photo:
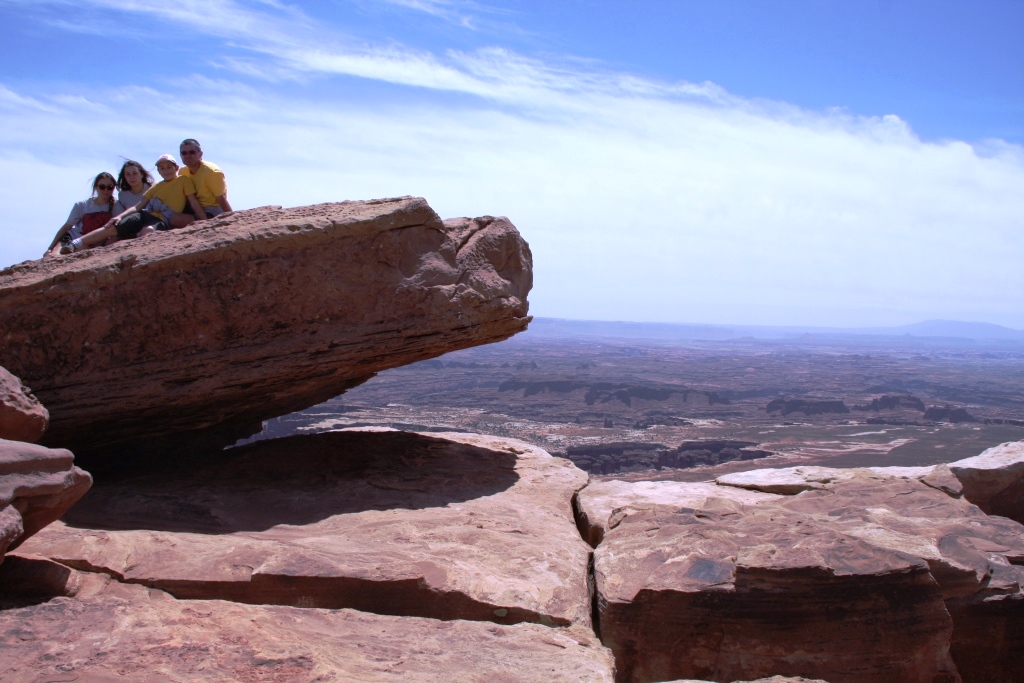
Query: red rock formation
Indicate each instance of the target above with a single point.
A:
(465, 527)
(597, 503)
(130, 633)
(37, 486)
(994, 480)
(853, 579)
(988, 628)
(253, 315)
(22, 417)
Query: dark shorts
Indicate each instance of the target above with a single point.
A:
(210, 211)
(132, 225)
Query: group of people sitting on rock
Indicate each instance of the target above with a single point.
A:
(192, 192)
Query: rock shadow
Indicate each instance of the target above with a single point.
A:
(26, 581)
(295, 480)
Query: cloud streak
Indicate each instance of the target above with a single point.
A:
(641, 200)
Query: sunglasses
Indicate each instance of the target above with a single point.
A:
(108, 188)
(188, 153)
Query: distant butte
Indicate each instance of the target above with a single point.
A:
(209, 330)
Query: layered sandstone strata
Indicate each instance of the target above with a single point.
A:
(465, 527)
(859, 576)
(37, 486)
(111, 631)
(252, 315)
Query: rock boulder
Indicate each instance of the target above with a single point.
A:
(259, 313)
(786, 481)
(22, 416)
(857, 577)
(37, 486)
(604, 501)
(994, 480)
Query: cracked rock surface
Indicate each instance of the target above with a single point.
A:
(112, 632)
(859, 577)
(464, 527)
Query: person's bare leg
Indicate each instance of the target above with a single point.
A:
(148, 230)
(93, 238)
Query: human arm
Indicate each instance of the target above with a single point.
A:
(214, 183)
(196, 207)
(127, 212)
(74, 220)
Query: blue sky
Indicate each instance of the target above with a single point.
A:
(732, 161)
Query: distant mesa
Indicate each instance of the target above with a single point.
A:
(929, 332)
(468, 366)
(203, 333)
(892, 403)
(948, 414)
(610, 458)
(594, 393)
(787, 406)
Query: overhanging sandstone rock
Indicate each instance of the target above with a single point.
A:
(253, 315)
(465, 527)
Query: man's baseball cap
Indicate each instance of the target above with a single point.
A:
(166, 157)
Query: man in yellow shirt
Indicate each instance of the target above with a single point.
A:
(211, 188)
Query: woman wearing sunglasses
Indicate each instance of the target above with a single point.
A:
(88, 214)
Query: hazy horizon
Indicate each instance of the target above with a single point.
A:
(784, 164)
(744, 324)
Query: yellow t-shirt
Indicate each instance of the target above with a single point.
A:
(209, 180)
(172, 193)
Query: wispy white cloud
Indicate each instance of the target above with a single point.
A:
(466, 14)
(297, 44)
(641, 199)
(644, 208)
(11, 99)
(442, 9)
